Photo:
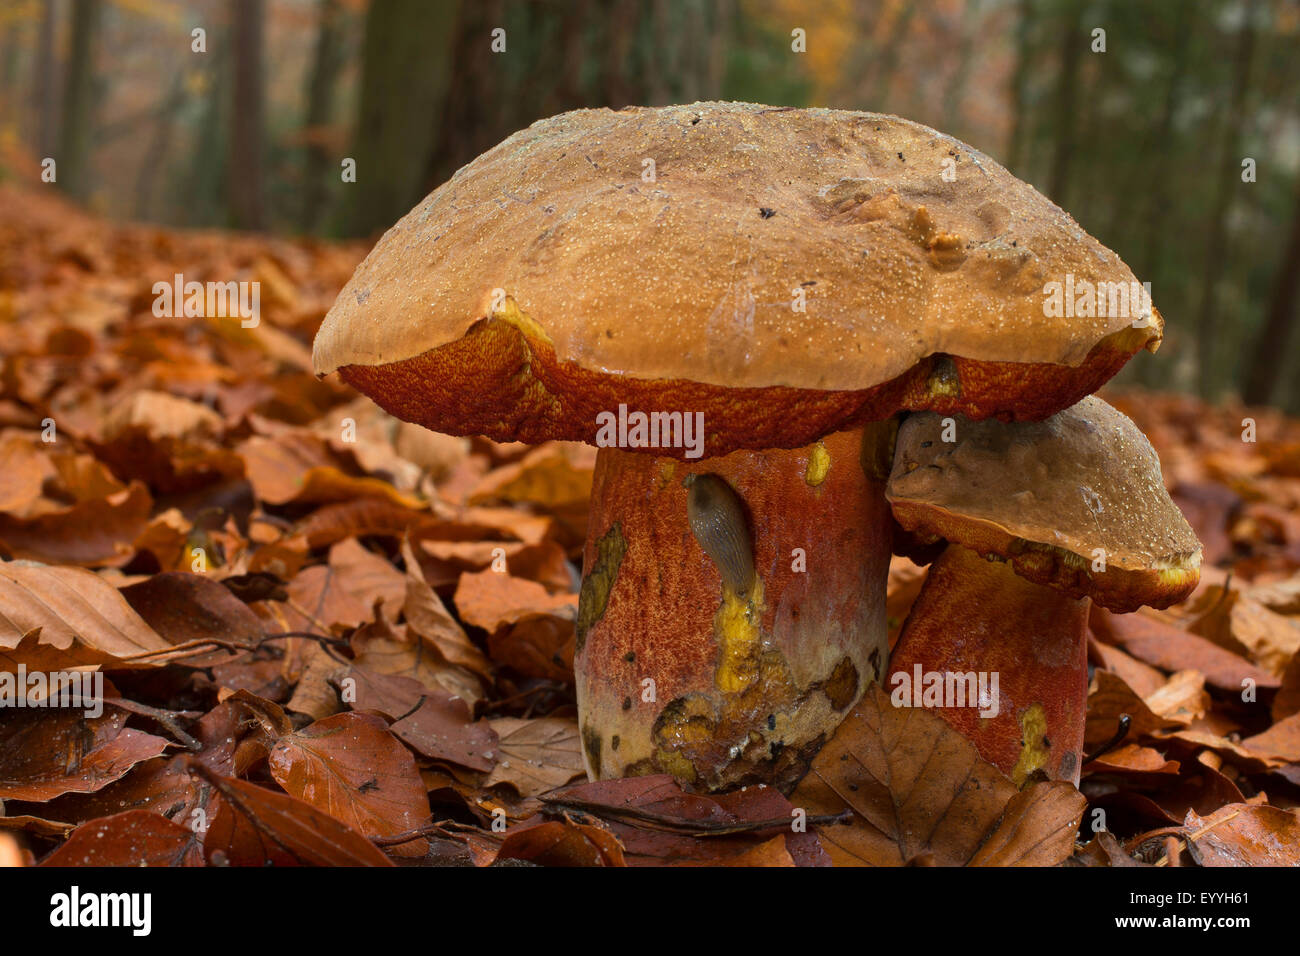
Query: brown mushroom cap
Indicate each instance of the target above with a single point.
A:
(553, 278)
(1045, 496)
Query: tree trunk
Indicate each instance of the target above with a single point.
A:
(1226, 183)
(79, 99)
(45, 101)
(1158, 207)
(327, 62)
(887, 67)
(1067, 81)
(1019, 88)
(204, 186)
(152, 165)
(956, 87)
(1271, 346)
(406, 65)
(244, 184)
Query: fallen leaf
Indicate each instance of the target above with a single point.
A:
(351, 767)
(1244, 835)
(1038, 827)
(916, 786)
(536, 755)
(253, 826)
(133, 838)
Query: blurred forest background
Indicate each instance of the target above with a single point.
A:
(1143, 143)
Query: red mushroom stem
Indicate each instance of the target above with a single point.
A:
(720, 667)
(976, 622)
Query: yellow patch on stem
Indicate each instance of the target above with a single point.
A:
(1033, 749)
(819, 464)
(736, 628)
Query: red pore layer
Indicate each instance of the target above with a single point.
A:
(497, 381)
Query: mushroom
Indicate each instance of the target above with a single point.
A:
(732, 301)
(1039, 518)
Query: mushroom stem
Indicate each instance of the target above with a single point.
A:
(732, 608)
(977, 621)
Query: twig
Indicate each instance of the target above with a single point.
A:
(688, 828)
(168, 718)
(1125, 721)
(440, 827)
(1164, 860)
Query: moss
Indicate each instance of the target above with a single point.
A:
(599, 582)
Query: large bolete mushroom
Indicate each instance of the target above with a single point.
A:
(1039, 517)
(722, 297)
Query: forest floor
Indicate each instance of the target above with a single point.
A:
(309, 655)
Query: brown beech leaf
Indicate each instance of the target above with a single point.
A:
(1182, 698)
(167, 442)
(1143, 678)
(1109, 699)
(71, 607)
(162, 785)
(432, 722)
(918, 788)
(1241, 834)
(133, 838)
(383, 648)
(1171, 649)
(186, 607)
(553, 475)
(299, 468)
(1287, 701)
(242, 729)
(491, 600)
(427, 617)
(253, 826)
(315, 695)
(564, 842)
(1038, 827)
(1132, 758)
(25, 471)
(443, 562)
(1280, 596)
(233, 737)
(359, 518)
(320, 592)
(37, 825)
(95, 533)
(48, 752)
(351, 767)
(536, 755)
(1245, 758)
(367, 575)
(659, 824)
(1280, 740)
(1246, 627)
(529, 629)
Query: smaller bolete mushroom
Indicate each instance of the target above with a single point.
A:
(1039, 517)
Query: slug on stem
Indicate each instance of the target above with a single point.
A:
(717, 519)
